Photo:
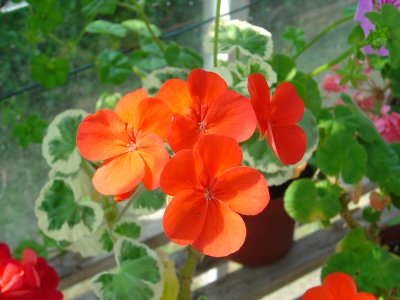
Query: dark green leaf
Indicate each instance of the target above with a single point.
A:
(356, 36)
(92, 8)
(182, 57)
(371, 215)
(128, 229)
(308, 90)
(150, 200)
(113, 67)
(30, 130)
(49, 72)
(295, 36)
(284, 67)
(106, 241)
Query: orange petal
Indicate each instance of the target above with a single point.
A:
(223, 232)
(340, 285)
(286, 105)
(318, 293)
(288, 143)
(152, 116)
(179, 173)
(126, 107)
(102, 135)
(176, 94)
(124, 196)
(152, 150)
(259, 98)
(183, 133)
(205, 87)
(243, 189)
(184, 217)
(120, 174)
(217, 154)
(232, 115)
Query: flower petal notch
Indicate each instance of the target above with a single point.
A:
(277, 118)
(210, 189)
(204, 105)
(336, 286)
(130, 141)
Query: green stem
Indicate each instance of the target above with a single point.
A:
(333, 62)
(346, 214)
(137, 8)
(216, 32)
(187, 272)
(135, 194)
(237, 53)
(321, 34)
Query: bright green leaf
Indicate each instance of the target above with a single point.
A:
(107, 28)
(149, 200)
(127, 229)
(139, 27)
(284, 67)
(92, 8)
(295, 37)
(356, 36)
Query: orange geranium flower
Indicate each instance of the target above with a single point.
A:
(277, 118)
(129, 140)
(336, 286)
(203, 105)
(210, 190)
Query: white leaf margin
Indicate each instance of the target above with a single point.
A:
(72, 164)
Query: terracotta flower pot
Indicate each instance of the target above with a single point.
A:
(390, 236)
(269, 236)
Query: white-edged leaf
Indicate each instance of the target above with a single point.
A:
(235, 34)
(155, 79)
(59, 145)
(89, 245)
(127, 229)
(61, 216)
(139, 274)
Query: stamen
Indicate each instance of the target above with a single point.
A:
(202, 126)
(208, 195)
(131, 146)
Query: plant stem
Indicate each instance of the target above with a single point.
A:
(187, 271)
(237, 54)
(216, 32)
(321, 34)
(137, 8)
(346, 214)
(137, 192)
(333, 62)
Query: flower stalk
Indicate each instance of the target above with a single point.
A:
(187, 272)
(216, 32)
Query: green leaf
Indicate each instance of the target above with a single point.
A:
(284, 67)
(139, 27)
(341, 154)
(108, 100)
(107, 28)
(127, 229)
(107, 241)
(31, 129)
(388, 22)
(306, 201)
(149, 200)
(249, 39)
(59, 144)
(308, 90)
(61, 216)
(182, 57)
(45, 16)
(138, 275)
(295, 37)
(147, 61)
(394, 76)
(49, 72)
(356, 36)
(113, 67)
(354, 240)
(370, 215)
(92, 8)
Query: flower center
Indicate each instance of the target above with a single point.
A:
(202, 126)
(208, 195)
(131, 146)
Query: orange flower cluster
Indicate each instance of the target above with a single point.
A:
(203, 122)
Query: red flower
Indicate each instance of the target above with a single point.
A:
(29, 279)
(204, 105)
(277, 118)
(210, 188)
(130, 140)
(336, 286)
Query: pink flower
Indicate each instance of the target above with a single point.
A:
(330, 84)
(364, 101)
(388, 125)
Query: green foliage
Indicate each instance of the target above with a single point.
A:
(353, 241)
(108, 100)
(45, 17)
(249, 39)
(113, 67)
(149, 200)
(139, 27)
(49, 72)
(284, 67)
(31, 244)
(91, 8)
(30, 130)
(388, 31)
(59, 145)
(182, 57)
(295, 37)
(308, 90)
(107, 28)
(356, 36)
(127, 229)
(306, 201)
(370, 215)
(341, 154)
(138, 275)
(352, 71)
(107, 241)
